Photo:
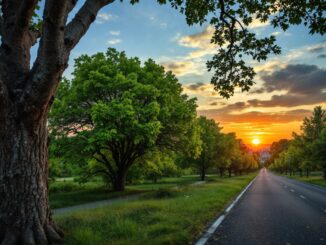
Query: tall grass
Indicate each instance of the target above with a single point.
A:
(174, 216)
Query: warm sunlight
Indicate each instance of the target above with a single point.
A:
(256, 141)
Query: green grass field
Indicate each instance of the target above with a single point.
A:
(162, 216)
(315, 178)
(65, 192)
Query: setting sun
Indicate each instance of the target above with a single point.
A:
(256, 141)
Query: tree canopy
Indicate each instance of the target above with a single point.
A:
(307, 150)
(221, 151)
(115, 110)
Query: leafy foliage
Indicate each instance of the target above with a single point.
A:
(236, 43)
(222, 151)
(114, 111)
(305, 151)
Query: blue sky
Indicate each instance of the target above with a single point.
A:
(149, 30)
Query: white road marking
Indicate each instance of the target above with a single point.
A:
(292, 190)
(325, 210)
(219, 220)
(302, 197)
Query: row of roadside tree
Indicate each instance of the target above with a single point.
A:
(306, 152)
(124, 121)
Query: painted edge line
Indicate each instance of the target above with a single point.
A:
(219, 220)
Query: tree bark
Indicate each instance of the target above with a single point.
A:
(25, 216)
(26, 95)
(120, 181)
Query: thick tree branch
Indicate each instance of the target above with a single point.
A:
(1, 25)
(33, 36)
(51, 59)
(15, 47)
(107, 163)
(71, 5)
(55, 45)
(76, 29)
(25, 13)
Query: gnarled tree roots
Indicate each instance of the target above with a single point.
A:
(36, 235)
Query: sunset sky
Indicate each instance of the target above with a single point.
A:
(287, 86)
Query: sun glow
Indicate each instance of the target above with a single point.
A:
(256, 141)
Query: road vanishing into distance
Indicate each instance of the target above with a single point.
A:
(275, 210)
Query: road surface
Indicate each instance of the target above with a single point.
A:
(275, 210)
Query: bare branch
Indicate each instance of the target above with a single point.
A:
(79, 25)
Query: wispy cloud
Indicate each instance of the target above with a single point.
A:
(104, 17)
(114, 41)
(304, 85)
(221, 115)
(192, 63)
(115, 33)
(183, 67)
(256, 23)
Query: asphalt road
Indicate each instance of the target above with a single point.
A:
(276, 210)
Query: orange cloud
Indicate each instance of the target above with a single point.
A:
(268, 126)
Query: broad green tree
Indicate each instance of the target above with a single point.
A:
(276, 149)
(27, 89)
(225, 152)
(305, 151)
(209, 135)
(159, 164)
(313, 126)
(118, 111)
(319, 151)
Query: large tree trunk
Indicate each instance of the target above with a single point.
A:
(202, 173)
(25, 216)
(307, 172)
(26, 93)
(120, 181)
(230, 172)
(221, 172)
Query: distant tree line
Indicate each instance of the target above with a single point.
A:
(124, 121)
(306, 152)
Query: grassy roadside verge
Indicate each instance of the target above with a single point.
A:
(315, 180)
(69, 193)
(165, 216)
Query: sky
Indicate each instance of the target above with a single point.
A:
(288, 86)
